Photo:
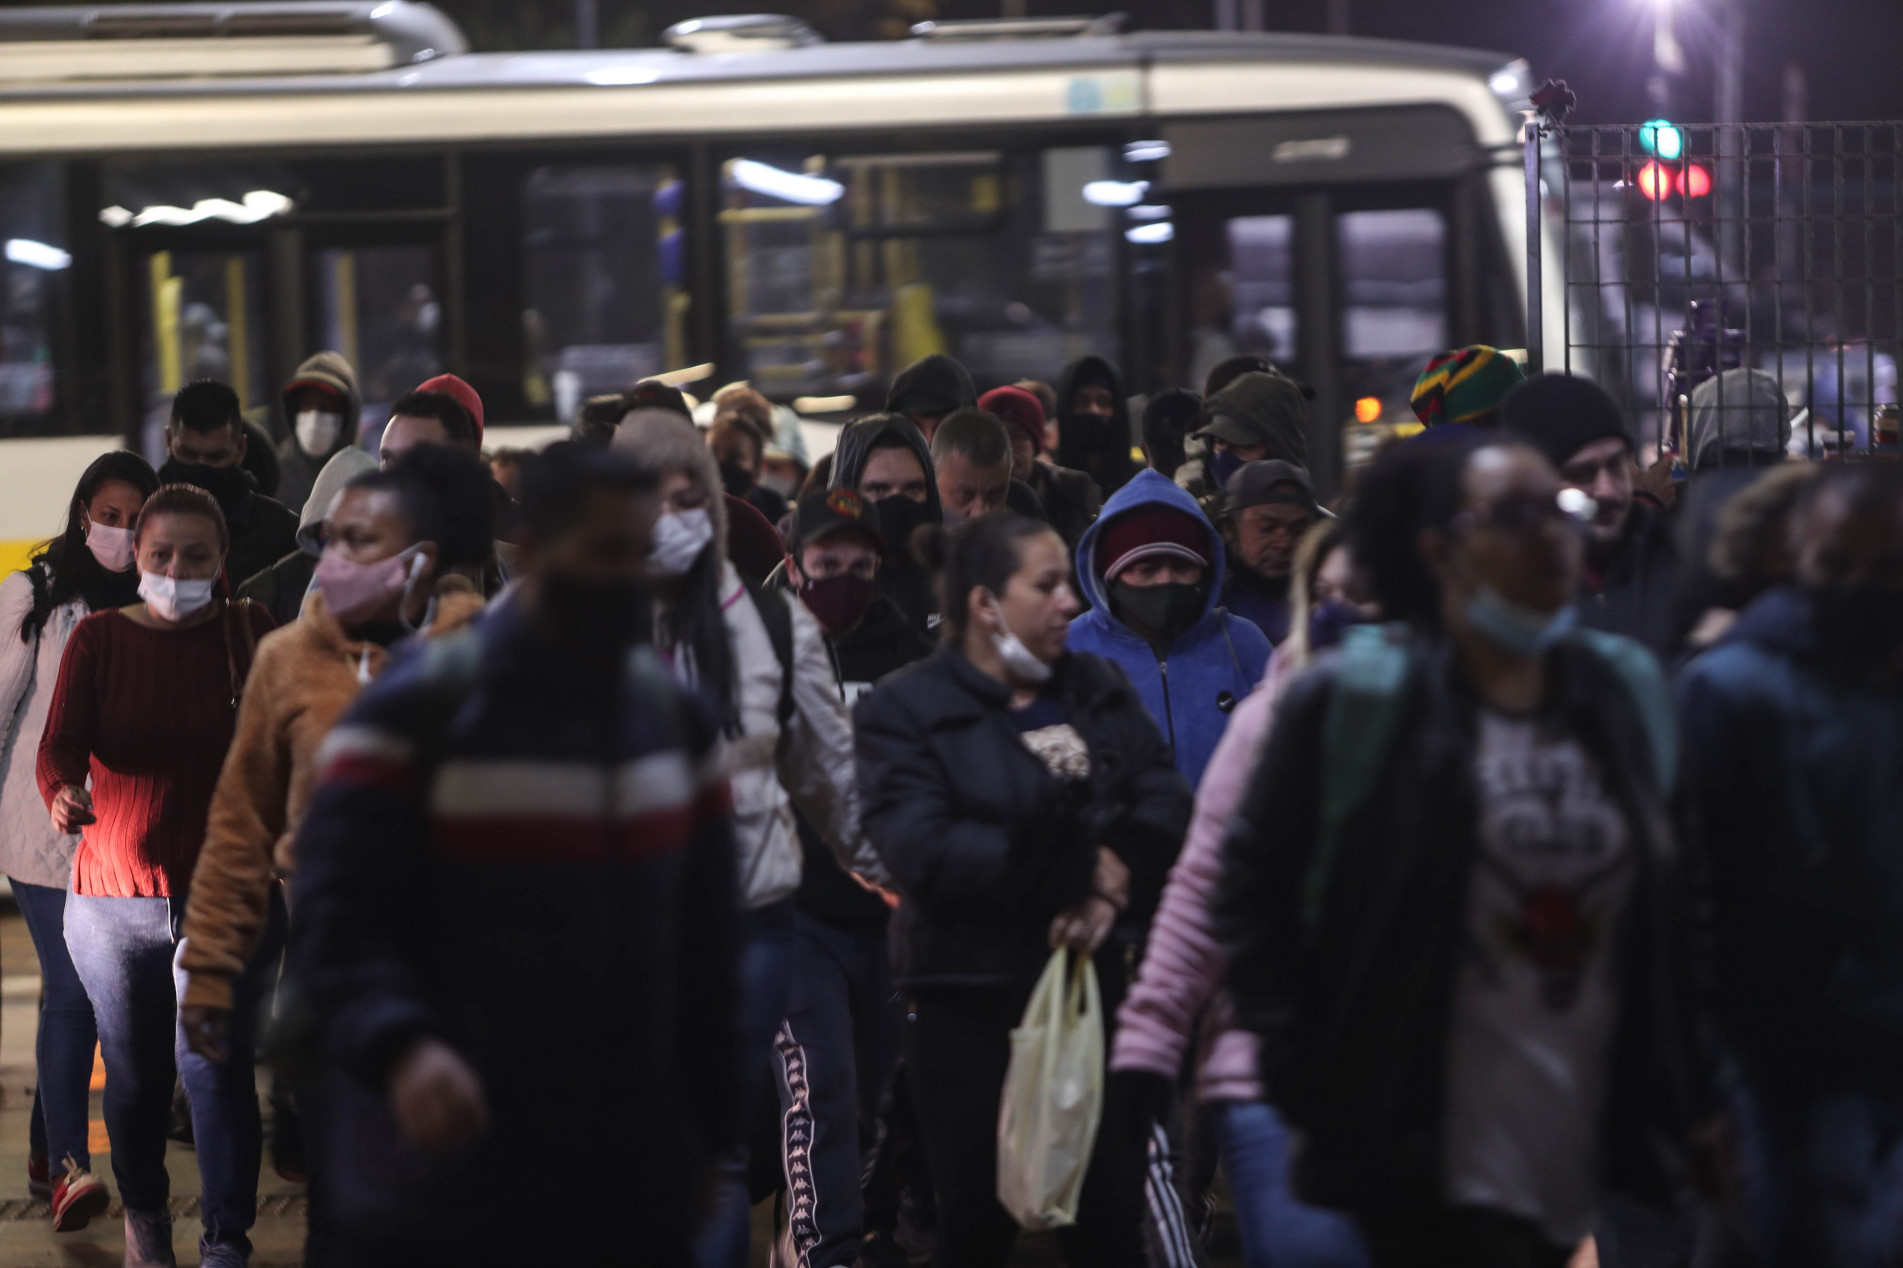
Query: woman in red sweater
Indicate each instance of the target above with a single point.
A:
(144, 711)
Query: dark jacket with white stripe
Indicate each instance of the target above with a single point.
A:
(514, 852)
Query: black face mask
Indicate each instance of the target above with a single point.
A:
(899, 518)
(600, 617)
(1167, 609)
(1092, 432)
(735, 479)
(1862, 625)
(227, 485)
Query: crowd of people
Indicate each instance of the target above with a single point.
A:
(1489, 860)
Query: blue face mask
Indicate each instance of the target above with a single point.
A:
(1330, 621)
(1224, 465)
(1516, 630)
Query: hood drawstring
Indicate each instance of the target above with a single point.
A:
(363, 666)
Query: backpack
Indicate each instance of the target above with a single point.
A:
(1370, 694)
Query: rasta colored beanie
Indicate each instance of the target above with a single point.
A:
(1464, 384)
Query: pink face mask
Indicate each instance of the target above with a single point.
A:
(356, 593)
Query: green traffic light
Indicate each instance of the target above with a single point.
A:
(1661, 137)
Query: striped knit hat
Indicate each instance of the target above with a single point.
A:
(1463, 384)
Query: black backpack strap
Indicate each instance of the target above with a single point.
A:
(778, 619)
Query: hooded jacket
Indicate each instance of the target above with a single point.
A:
(281, 587)
(1087, 443)
(935, 384)
(1791, 767)
(297, 470)
(1191, 689)
(900, 577)
(305, 676)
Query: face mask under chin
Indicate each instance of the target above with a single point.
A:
(1513, 628)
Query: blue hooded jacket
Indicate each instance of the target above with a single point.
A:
(1209, 669)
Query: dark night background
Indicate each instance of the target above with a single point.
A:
(1850, 51)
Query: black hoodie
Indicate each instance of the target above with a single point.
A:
(1086, 442)
(900, 577)
(884, 641)
(936, 384)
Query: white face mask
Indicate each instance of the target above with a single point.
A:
(317, 431)
(1019, 661)
(174, 598)
(679, 537)
(112, 547)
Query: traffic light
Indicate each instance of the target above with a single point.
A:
(1694, 181)
(1654, 181)
(1661, 138)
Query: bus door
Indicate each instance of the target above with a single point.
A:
(240, 271)
(1346, 249)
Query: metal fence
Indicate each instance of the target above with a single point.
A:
(1770, 246)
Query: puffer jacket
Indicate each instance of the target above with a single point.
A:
(304, 677)
(812, 769)
(297, 470)
(1207, 671)
(985, 845)
(30, 850)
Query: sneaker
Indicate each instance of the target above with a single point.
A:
(77, 1197)
(39, 1181)
(149, 1240)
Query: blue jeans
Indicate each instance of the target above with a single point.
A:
(765, 964)
(1277, 1229)
(126, 951)
(834, 1055)
(63, 1048)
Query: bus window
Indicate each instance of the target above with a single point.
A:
(605, 297)
(1394, 300)
(842, 269)
(382, 307)
(204, 319)
(32, 269)
(1249, 306)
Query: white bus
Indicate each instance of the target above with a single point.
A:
(220, 190)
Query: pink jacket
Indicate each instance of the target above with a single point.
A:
(1182, 971)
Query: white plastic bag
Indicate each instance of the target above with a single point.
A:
(1053, 1097)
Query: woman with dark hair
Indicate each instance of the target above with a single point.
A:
(86, 569)
(138, 728)
(1452, 908)
(1023, 800)
(760, 660)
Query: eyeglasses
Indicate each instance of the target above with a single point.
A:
(1569, 508)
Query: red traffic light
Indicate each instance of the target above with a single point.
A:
(1694, 181)
(1658, 181)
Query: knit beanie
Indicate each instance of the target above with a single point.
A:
(464, 394)
(1019, 411)
(1464, 384)
(1152, 530)
(1559, 415)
